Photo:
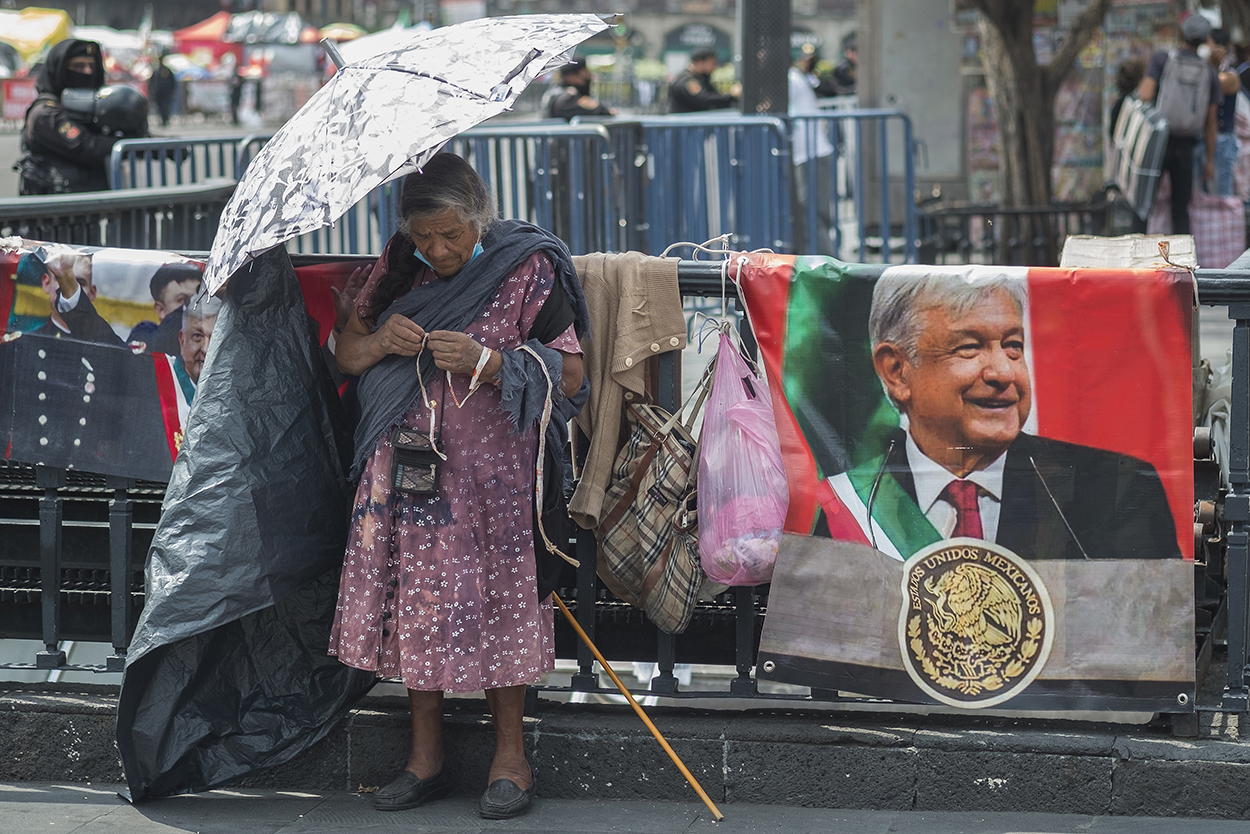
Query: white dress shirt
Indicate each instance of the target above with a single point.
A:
(931, 479)
(803, 103)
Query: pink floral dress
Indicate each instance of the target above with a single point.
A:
(439, 591)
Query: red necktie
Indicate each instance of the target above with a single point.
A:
(963, 496)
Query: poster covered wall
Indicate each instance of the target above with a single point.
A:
(986, 466)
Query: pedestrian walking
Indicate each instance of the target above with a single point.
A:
(1185, 89)
(163, 88)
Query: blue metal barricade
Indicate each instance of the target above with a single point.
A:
(854, 181)
(553, 175)
(560, 177)
(705, 175)
(246, 149)
(146, 163)
(363, 229)
(178, 217)
(626, 184)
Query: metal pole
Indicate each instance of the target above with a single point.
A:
(1237, 511)
(121, 536)
(764, 38)
(50, 479)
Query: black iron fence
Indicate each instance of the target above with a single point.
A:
(991, 234)
(177, 218)
(73, 546)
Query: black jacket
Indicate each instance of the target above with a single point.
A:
(1115, 504)
(691, 93)
(85, 325)
(61, 155)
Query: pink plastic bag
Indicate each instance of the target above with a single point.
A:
(742, 489)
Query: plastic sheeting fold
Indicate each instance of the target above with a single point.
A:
(227, 672)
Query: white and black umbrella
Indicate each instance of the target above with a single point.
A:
(397, 101)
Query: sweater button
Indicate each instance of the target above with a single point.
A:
(629, 361)
(674, 341)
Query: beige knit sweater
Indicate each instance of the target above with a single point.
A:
(635, 313)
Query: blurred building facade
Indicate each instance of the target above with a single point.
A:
(656, 29)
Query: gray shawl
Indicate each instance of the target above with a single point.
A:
(390, 387)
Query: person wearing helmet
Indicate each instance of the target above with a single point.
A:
(61, 151)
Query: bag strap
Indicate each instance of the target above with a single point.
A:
(626, 500)
(542, 459)
(699, 394)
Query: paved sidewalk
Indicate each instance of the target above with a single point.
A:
(96, 809)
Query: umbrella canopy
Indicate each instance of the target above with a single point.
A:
(380, 117)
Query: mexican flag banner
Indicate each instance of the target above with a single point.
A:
(991, 482)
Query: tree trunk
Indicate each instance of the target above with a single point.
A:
(1024, 104)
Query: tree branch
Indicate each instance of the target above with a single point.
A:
(995, 11)
(1078, 36)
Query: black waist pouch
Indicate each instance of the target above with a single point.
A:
(415, 463)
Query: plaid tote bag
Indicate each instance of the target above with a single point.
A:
(648, 540)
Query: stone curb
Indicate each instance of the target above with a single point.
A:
(64, 733)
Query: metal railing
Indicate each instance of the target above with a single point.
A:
(994, 234)
(179, 218)
(854, 181)
(63, 578)
(705, 175)
(636, 184)
(148, 163)
(561, 177)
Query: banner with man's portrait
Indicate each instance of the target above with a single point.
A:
(991, 482)
(101, 351)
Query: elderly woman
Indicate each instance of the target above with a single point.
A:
(451, 336)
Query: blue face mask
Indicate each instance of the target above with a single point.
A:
(477, 250)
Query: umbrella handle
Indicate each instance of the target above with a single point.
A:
(333, 52)
(694, 783)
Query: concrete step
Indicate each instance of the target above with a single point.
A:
(813, 758)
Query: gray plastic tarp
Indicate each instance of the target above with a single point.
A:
(227, 671)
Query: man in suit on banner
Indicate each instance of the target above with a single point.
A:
(951, 357)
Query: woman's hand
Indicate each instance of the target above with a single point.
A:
(356, 349)
(399, 334)
(345, 299)
(457, 352)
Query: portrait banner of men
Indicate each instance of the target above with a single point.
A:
(101, 351)
(991, 482)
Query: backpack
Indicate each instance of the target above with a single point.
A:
(1184, 93)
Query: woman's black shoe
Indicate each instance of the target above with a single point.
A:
(504, 799)
(408, 791)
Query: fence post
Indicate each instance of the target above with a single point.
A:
(1237, 511)
(50, 479)
(585, 680)
(668, 397)
(121, 537)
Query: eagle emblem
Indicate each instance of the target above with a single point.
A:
(976, 624)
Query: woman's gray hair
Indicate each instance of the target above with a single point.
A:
(447, 182)
(900, 298)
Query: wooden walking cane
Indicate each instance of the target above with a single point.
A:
(694, 783)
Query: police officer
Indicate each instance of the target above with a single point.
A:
(692, 91)
(574, 98)
(60, 154)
